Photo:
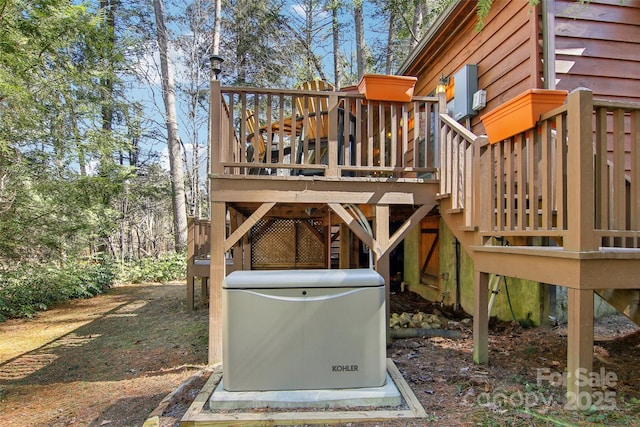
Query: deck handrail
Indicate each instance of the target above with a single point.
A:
(567, 182)
(459, 149)
(357, 138)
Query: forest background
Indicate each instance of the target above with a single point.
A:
(103, 120)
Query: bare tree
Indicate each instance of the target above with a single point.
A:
(217, 20)
(334, 6)
(391, 38)
(173, 141)
(417, 25)
(361, 55)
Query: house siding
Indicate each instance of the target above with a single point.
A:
(502, 51)
(594, 45)
(598, 47)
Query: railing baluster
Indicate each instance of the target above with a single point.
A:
(635, 173)
(405, 136)
(601, 172)
(394, 145)
(619, 221)
(509, 179)
(417, 161)
(281, 115)
(294, 129)
(522, 176)
(455, 169)
(546, 175)
(243, 126)
(561, 172)
(382, 135)
(370, 138)
(468, 183)
(500, 187)
(533, 150)
(358, 132)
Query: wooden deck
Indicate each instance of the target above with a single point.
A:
(557, 204)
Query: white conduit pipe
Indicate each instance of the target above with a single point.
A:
(362, 220)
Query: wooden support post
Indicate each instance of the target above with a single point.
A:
(481, 318)
(332, 144)
(218, 273)
(327, 239)
(345, 247)
(579, 347)
(190, 259)
(246, 252)
(215, 130)
(235, 220)
(580, 173)
(481, 186)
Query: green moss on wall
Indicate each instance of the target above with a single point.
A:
(527, 298)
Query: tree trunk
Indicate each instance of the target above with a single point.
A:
(308, 38)
(417, 26)
(173, 143)
(390, 39)
(358, 18)
(217, 20)
(335, 26)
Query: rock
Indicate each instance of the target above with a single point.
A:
(394, 322)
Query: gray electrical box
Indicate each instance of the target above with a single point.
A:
(303, 329)
(465, 83)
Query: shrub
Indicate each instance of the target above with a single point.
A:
(165, 268)
(29, 289)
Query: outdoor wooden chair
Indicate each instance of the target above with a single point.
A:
(314, 112)
(257, 140)
(311, 108)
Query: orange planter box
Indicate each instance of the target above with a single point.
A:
(520, 113)
(382, 87)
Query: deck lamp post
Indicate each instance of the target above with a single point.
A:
(216, 65)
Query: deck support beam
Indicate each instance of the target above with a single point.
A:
(481, 318)
(579, 345)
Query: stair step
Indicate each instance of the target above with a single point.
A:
(441, 196)
(469, 228)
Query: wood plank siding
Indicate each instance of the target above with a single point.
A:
(598, 46)
(506, 51)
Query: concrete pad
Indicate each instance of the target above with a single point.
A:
(386, 396)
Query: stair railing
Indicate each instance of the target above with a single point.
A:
(459, 150)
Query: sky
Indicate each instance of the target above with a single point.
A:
(149, 93)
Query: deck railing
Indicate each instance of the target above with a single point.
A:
(321, 133)
(617, 173)
(573, 181)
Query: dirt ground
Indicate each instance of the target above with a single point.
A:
(111, 360)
